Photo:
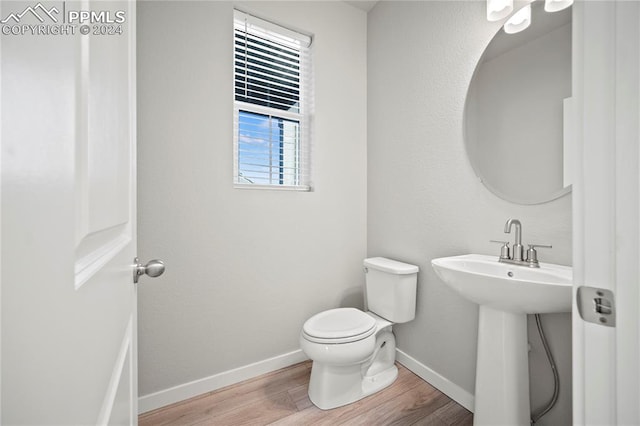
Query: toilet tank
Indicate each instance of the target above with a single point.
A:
(391, 288)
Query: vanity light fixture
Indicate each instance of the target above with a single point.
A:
(499, 9)
(519, 21)
(556, 5)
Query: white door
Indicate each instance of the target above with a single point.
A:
(606, 375)
(68, 212)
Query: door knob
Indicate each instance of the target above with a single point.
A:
(153, 268)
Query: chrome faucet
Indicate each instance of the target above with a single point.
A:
(517, 245)
(514, 256)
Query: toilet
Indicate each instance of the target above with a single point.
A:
(354, 352)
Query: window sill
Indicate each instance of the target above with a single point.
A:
(300, 188)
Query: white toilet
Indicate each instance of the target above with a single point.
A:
(354, 352)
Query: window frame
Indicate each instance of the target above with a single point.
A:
(302, 181)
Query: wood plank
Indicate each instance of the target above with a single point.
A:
(405, 409)
(453, 414)
(300, 396)
(430, 420)
(261, 412)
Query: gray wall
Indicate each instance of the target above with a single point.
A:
(424, 200)
(245, 268)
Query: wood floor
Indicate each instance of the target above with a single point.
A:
(280, 398)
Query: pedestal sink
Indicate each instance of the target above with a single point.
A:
(506, 294)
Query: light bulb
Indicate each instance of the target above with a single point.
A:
(556, 5)
(498, 9)
(519, 21)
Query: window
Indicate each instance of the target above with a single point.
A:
(271, 105)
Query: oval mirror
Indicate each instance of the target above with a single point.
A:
(516, 102)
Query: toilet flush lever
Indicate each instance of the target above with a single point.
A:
(153, 268)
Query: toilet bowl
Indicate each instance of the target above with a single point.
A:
(353, 352)
(358, 360)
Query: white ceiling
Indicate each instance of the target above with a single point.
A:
(365, 5)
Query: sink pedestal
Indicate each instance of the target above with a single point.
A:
(502, 369)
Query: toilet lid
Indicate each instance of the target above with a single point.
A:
(339, 324)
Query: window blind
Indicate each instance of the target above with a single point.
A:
(272, 105)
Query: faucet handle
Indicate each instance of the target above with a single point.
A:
(504, 250)
(532, 254)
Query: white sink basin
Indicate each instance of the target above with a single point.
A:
(519, 289)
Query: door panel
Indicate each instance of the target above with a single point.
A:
(607, 209)
(68, 221)
(103, 180)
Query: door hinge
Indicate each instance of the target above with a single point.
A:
(596, 305)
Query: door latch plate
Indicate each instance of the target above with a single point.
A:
(597, 305)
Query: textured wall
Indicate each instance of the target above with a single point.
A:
(424, 200)
(245, 268)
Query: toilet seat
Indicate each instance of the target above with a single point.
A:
(341, 325)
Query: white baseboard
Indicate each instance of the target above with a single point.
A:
(217, 381)
(439, 382)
